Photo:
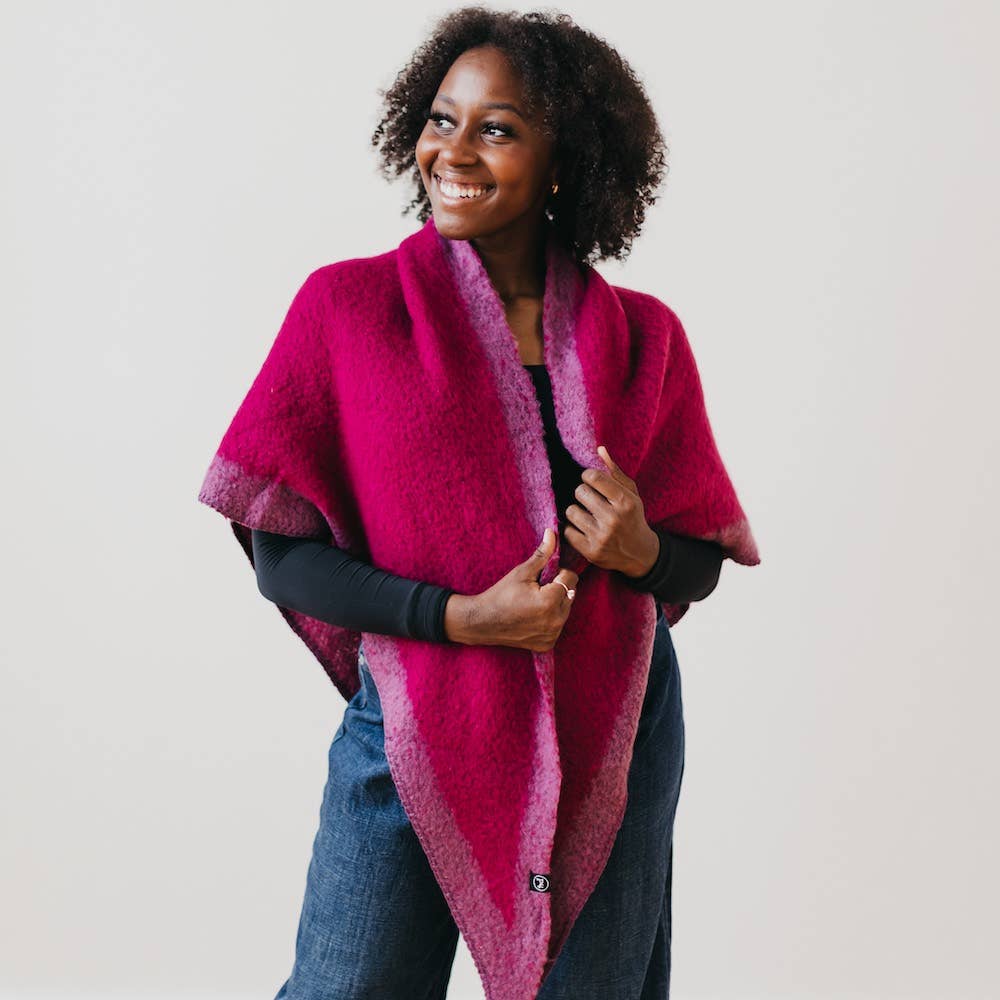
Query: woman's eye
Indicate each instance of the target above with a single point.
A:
(504, 130)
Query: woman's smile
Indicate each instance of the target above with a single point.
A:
(454, 192)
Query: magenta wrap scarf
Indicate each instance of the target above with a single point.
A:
(393, 417)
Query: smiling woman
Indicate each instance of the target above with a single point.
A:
(480, 484)
(534, 104)
(484, 175)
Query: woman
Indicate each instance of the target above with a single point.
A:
(535, 149)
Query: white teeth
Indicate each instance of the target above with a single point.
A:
(461, 190)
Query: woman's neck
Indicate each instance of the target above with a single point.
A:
(514, 262)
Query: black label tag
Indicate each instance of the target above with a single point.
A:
(538, 882)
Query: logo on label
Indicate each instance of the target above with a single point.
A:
(538, 882)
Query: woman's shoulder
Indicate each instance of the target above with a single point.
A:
(352, 271)
(649, 318)
(363, 281)
(644, 304)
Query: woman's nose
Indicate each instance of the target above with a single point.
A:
(457, 149)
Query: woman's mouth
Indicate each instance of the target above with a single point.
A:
(453, 192)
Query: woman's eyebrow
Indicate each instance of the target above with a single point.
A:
(500, 105)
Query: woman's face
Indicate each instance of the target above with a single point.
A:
(501, 163)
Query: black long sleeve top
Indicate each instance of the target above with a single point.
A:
(327, 583)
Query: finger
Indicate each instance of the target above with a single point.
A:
(541, 555)
(576, 538)
(564, 585)
(606, 484)
(616, 470)
(593, 502)
(582, 518)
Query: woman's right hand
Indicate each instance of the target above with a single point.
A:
(516, 611)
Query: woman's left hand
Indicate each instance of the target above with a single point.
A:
(608, 524)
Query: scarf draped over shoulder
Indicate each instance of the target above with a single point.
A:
(393, 417)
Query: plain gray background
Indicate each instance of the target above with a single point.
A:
(828, 235)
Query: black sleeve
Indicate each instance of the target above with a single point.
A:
(686, 569)
(327, 583)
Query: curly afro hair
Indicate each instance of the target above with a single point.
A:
(611, 152)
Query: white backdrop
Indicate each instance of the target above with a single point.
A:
(828, 235)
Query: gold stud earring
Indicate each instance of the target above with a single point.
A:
(555, 187)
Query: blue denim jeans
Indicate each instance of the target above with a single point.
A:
(375, 924)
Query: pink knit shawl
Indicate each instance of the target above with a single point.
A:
(393, 417)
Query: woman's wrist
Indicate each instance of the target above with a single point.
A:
(459, 618)
(649, 559)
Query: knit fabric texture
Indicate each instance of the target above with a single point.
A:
(393, 417)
